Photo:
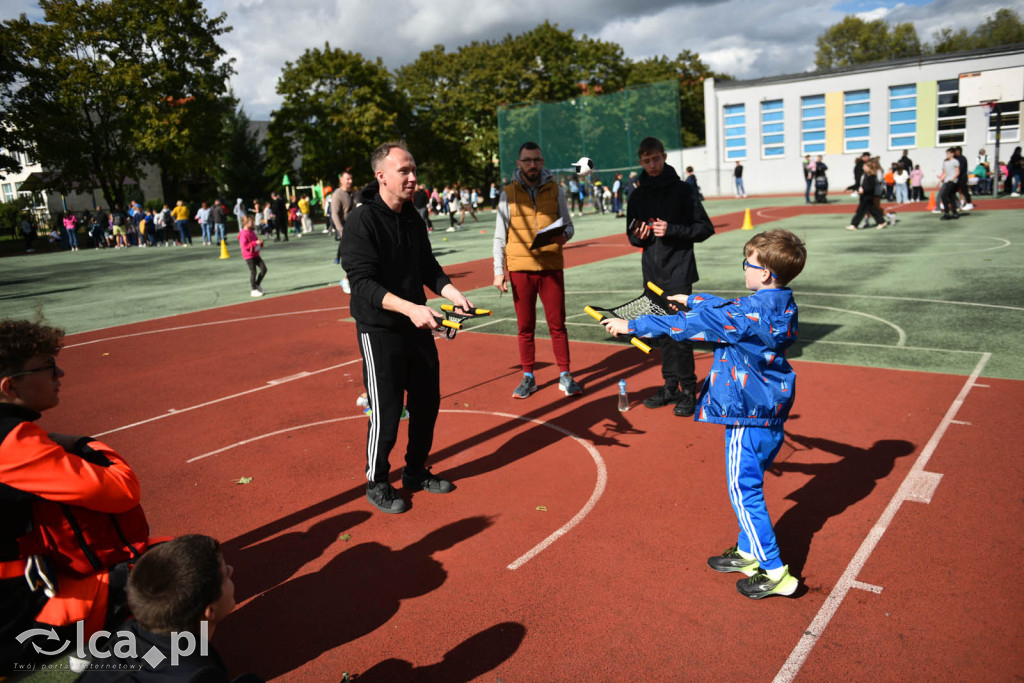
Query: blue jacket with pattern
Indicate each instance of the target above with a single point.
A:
(750, 382)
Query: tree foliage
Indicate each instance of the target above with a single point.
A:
(101, 88)
(856, 41)
(242, 171)
(1004, 27)
(337, 106)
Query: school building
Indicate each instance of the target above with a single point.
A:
(769, 124)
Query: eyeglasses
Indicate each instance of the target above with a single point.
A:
(536, 161)
(51, 366)
(747, 264)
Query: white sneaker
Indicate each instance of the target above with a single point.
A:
(451, 229)
(345, 287)
(1015, 194)
(967, 207)
(256, 292)
(851, 227)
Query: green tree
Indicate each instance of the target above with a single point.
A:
(856, 41)
(1004, 27)
(688, 69)
(101, 88)
(242, 169)
(337, 107)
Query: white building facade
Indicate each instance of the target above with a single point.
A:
(769, 124)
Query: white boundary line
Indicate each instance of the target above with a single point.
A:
(907, 491)
(270, 384)
(207, 324)
(599, 486)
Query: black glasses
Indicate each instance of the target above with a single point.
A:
(532, 160)
(51, 366)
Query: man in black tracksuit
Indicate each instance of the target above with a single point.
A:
(386, 254)
(669, 219)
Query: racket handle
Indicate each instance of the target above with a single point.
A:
(640, 345)
(452, 324)
(655, 288)
(593, 314)
(472, 311)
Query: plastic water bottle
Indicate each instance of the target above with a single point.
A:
(623, 398)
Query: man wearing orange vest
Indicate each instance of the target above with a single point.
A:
(62, 559)
(532, 202)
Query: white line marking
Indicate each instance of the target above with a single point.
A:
(902, 336)
(268, 385)
(961, 422)
(599, 486)
(209, 324)
(922, 486)
(817, 628)
(982, 386)
(871, 588)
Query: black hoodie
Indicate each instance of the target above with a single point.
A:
(383, 251)
(668, 261)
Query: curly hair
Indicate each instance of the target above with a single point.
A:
(21, 340)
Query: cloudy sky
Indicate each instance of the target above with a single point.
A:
(744, 38)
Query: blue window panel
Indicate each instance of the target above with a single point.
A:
(903, 116)
(774, 151)
(905, 141)
(816, 147)
(773, 128)
(735, 120)
(818, 124)
(860, 108)
(814, 136)
(769, 116)
(771, 106)
(735, 132)
(734, 108)
(814, 112)
(858, 96)
(773, 139)
(857, 133)
(856, 144)
(813, 99)
(903, 128)
(898, 90)
(903, 103)
(857, 121)
(736, 154)
(736, 142)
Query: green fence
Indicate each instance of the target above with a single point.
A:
(606, 128)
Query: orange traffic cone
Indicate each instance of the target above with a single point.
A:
(931, 201)
(224, 250)
(747, 225)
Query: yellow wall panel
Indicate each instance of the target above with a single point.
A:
(927, 111)
(834, 122)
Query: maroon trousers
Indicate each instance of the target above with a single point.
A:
(550, 285)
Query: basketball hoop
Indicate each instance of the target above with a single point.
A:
(989, 107)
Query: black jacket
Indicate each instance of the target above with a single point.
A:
(668, 261)
(381, 252)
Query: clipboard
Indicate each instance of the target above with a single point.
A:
(547, 235)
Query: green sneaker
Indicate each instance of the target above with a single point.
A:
(760, 586)
(731, 561)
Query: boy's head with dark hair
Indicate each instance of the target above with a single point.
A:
(780, 251)
(21, 340)
(176, 585)
(650, 146)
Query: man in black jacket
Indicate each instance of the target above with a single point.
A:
(669, 218)
(386, 254)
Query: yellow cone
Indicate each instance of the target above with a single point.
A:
(224, 250)
(747, 225)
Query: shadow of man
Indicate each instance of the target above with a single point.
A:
(355, 593)
(467, 661)
(835, 486)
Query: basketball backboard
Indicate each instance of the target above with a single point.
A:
(996, 85)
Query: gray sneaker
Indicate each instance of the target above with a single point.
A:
(526, 387)
(384, 497)
(567, 384)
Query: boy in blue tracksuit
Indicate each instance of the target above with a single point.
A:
(749, 389)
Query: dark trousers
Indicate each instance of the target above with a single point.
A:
(399, 365)
(255, 263)
(677, 367)
(280, 228)
(948, 197)
(868, 206)
(965, 191)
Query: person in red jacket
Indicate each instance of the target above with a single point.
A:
(70, 520)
